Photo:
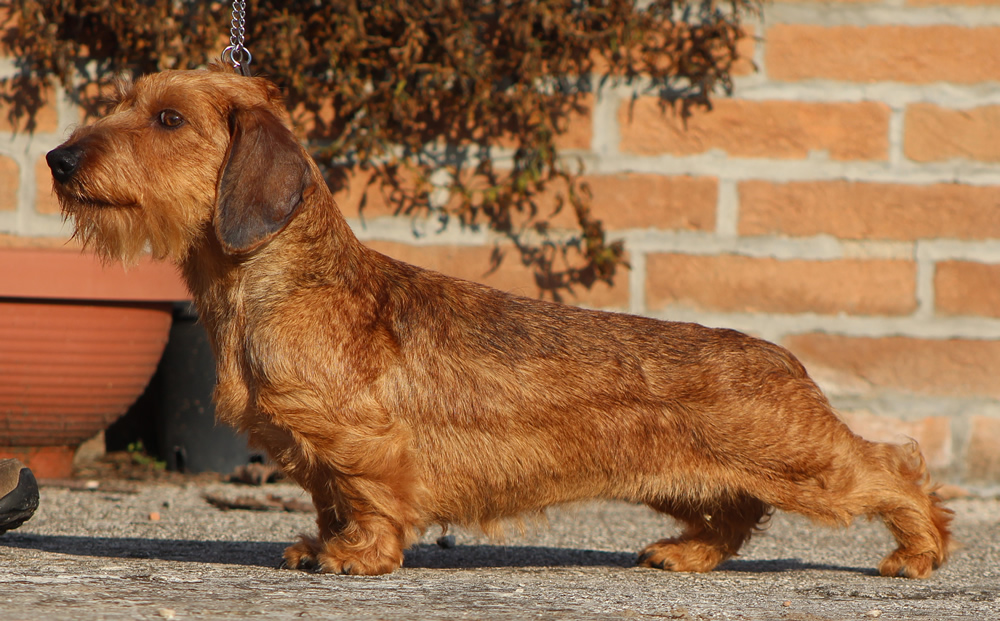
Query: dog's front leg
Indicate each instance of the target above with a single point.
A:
(367, 497)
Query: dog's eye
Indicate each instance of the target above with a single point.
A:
(171, 119)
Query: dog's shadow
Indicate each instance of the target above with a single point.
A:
(422, 556)
(489, 556)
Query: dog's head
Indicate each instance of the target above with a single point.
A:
(181, 155)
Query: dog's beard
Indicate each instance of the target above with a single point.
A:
(125, 234)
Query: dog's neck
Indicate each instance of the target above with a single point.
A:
(317, 247)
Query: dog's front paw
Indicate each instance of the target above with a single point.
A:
(681, 555)
(303, 555)
(334, 557)
(359, 564)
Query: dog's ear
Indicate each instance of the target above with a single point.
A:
(262, 183)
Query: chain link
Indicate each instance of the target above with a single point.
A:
(237, 53)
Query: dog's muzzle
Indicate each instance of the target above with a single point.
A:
(64, 162)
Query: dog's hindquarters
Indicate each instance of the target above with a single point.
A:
(781, 445)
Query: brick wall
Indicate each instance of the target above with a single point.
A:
(845, 202)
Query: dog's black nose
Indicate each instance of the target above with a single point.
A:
(64, 162)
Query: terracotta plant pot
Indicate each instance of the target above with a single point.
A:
(78, 344)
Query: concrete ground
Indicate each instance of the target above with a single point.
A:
(160, 551)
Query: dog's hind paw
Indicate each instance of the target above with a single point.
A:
(681, 555)
(901, 564)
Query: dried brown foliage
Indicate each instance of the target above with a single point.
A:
(428, 98)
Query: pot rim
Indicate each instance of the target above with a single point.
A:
(72, 274)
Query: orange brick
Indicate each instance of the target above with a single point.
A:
(742, 65)
(575, 132)
(306, 122)
(45, 198)
(983, 453)
(578, 131)
(355, 190)
(10, 181)
(933, 433)
(767, 129)
(745, 284)
(46, 119)
(745, 46)
(99, 98)
(551, 205)
(852, 210)
(914, 54)
(620, 201)
(952, 367)
(953, 2)
(473, 263)
(639, 201)
(934, 134)
(966, 288)
(379, 201)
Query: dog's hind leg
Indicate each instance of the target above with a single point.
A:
(712, 533)
(884, 480)
(897, 489)
(915, 517)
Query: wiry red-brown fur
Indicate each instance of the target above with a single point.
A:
(402, 398)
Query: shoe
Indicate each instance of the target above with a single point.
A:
(18, 494)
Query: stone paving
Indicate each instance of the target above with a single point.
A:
(160, 551)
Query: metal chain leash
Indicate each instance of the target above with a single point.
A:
(237, 53)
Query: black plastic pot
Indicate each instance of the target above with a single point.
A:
(189, 438)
